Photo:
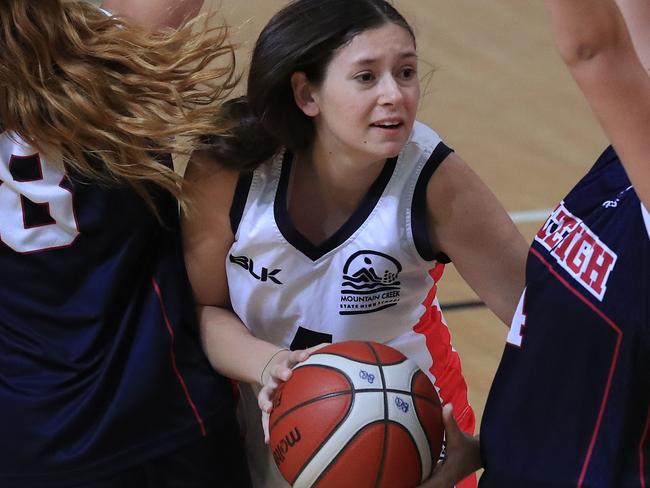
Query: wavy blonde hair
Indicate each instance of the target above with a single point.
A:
(84, 83)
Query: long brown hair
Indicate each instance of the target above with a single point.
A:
(303, 36)
(77, 80)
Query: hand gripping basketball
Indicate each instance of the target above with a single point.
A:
(463, 456)
(356, 415)
(277, 371)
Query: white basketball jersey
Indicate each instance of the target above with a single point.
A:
(374, 279)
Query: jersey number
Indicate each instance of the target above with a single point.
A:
(516, 334)
(37, 211)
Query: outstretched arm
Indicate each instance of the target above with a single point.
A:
(594, 42)
(467, 223)
(155, 14)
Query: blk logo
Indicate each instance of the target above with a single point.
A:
(262, 275)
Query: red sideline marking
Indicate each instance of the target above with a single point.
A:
(179, 376)
(644, 437)
(610, 377)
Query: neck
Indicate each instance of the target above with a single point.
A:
(342, 174)
(324, 191)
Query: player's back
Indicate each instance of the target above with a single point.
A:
(569, 404)
(98, 349)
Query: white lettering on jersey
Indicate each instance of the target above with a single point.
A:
(516, 334)
(43, 188)
(578, 250)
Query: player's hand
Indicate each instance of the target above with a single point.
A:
(276, 372)
(463, 455)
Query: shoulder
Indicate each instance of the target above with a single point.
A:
(204, 170)
(423, 136)
(210, 190)
(424, 151)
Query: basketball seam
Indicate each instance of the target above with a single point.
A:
(325, 396)
(318, 353)
(329, 436)
(343, 449)
(385, 421)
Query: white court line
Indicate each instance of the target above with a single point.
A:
(527, 216)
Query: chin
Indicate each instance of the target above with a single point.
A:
(393, 150)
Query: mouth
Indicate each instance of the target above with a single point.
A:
(387, 124)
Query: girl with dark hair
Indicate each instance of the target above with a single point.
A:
(102, 380)
(349, 210)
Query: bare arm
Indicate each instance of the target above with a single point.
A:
(468, 224)
(207, 237)
(155, 14)
(595, 44)
(637, 17)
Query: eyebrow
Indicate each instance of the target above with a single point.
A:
(371, 60)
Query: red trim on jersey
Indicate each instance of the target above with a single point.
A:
(179, 376)
(644, 438)
(445, 362)
(612, 367)
(469, 482)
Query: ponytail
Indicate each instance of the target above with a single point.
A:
(247, 143)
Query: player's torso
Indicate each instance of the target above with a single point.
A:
(373, 280)
(93, 290)
(366, 282)
(569, 405)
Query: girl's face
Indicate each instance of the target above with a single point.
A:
(365, 107)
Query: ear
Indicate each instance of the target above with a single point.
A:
(303, 94)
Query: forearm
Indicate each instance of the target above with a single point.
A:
(230, 347)
(595, 44)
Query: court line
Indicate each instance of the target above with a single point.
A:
(527, 216)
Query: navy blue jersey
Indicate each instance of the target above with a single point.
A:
(100, 362)
(569, 406)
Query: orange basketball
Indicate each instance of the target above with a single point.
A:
(356, 414)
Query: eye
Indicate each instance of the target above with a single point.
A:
(365, 77)
(408, 73)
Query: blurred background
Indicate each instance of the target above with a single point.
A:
(496, 91)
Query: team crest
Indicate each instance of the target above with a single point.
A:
(370, 283)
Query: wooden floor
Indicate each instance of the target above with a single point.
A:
(500, 96)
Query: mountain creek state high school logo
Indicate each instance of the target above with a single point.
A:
(370, 283)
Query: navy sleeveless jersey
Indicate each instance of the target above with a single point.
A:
(100, 362)
(569, 406)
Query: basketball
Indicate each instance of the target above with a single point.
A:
(356, 414)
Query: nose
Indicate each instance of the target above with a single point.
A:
(390, 91)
